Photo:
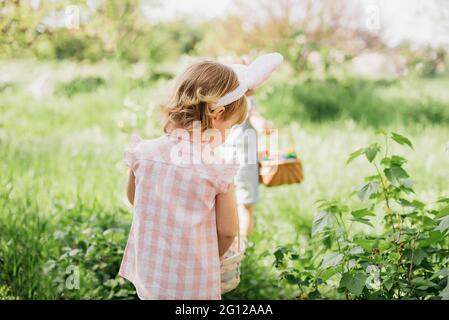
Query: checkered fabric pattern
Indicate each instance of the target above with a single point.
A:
(172, 249)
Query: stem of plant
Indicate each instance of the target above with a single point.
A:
(410, 270)
(384, 189)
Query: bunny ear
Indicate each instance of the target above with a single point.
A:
(261, 69)
(251, 76)
(241, 70)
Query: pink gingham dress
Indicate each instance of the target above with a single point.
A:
(172, 249)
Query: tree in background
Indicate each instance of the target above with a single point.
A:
(104, 29)
(316, 36)
(306, 32)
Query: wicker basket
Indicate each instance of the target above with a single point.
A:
(279, 172)
(230, 266)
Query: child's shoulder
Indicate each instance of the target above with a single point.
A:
(182, 156)
(156, 149)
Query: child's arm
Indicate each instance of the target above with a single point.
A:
(227, 219)
(131, 186)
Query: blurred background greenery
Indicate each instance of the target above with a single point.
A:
(78, 77)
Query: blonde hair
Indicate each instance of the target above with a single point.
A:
(196, 90)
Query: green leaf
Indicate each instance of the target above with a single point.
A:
(279, 254)
(394, 256)
(314, 295)
(418, 204)
(354, 283)
(388, 283)
(393, 160)
(328, 273)
(355, 155)
(363, 220)
(443, 212)
(323, 220)
(395, 174)
(356, 250)
(384, 245)
(444, 294)
(367, 189)
(406, 183)
(443, 226)
(381, 131)
(371, 151)
(442, 273)
(372, 178)
(433, 237)
(365, 212)
(419, 256)
(291, 278)
(352, 263)
(331, 260)
(366, 244)
(423, 283)
(401, 140)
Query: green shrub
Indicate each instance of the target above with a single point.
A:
(81, 85)
(5, 293)
(89, 257)
(76, 47)
(357, 99)
(407, 259)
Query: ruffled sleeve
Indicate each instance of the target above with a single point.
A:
(226, 177)
(130, 155)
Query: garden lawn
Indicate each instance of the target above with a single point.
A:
(63, 210)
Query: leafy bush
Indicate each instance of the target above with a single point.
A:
(81, 85)
(5, 294)
(75, 255)
(89, 259)
(66, 45)
(406, 259)
(358, 99)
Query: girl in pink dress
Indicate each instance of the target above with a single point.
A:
(185, 216)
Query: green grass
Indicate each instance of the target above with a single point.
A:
(376, 103)
(62, 182)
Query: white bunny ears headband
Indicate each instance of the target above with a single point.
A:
(251, 76)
